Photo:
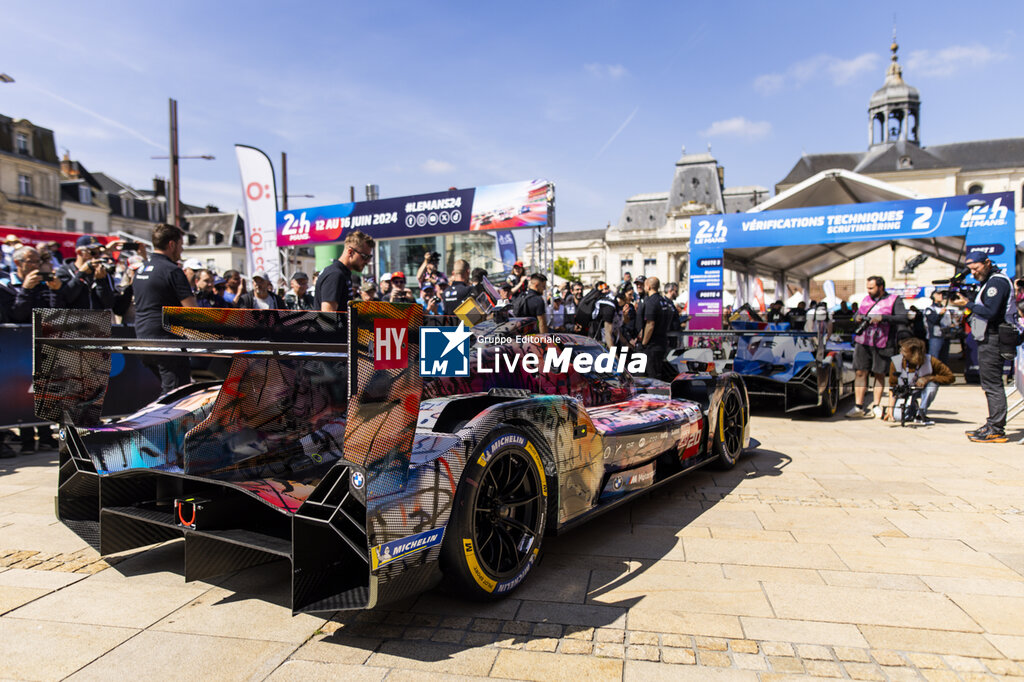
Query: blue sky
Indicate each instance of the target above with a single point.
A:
(597, 96)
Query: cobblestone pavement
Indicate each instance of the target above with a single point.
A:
(839, 549)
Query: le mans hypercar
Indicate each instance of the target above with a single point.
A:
(375, 482)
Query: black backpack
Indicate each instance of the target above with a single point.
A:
(585, 309)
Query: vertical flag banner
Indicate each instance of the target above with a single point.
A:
(260, 199)
(759, 294)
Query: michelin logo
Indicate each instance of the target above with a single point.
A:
(382, 555)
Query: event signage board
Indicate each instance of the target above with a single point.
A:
(492, 207)
(988, 227)
(259, 194)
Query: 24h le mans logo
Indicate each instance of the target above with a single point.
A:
(444, 351)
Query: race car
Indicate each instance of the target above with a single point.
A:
(800, 370)
(375, 482)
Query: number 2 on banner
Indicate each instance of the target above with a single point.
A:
(295, 228)
(924, 214)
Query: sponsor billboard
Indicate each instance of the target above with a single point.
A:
(496, 207)
(988, 227)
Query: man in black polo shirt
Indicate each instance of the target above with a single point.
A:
(336, 287)
(158, 283)
(458, 289)
(654, 339)
(531, 304)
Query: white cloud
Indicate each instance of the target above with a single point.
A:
(738, 126)
(610, 71)
(437, 167)
(947, 61)
(837, 71)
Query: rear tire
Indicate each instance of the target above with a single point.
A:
(494, 537)
(830, 398)
(730, 428)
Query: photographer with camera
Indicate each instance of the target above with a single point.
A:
(878, 317)
(88, 277)
(431, 261)
(991, 318)
(941, 329)
(912, 370)
(399, 294)
(431, 302)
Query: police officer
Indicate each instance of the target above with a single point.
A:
(991, 309)
(458, 288)
(654, 339)
(531, 304)
(158, 283)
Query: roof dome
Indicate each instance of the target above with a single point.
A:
(895, 90)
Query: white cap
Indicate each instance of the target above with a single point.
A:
(193, 264)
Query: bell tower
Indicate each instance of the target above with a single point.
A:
(894, 111)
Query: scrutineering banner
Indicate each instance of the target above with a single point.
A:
(493, 207)
(989, 228)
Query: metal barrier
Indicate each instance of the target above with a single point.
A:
(132, 386)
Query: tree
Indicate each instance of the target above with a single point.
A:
(563, 267)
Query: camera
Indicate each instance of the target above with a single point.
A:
(434, 257)
(906, 406)
(957, 285)
(131, 246)
(47, 276)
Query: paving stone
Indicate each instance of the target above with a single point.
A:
(814, 651)
(449, 636)
(744, 646)
(313, 671)
(541, 644)
(930, 641)
(717, 659)
(750, 661)
(1000, 667)
(428, 657)
(928, 661)
(777, 649)
(480, 638)
(886, 657)
(517, 628)
(786, 664)
(485, 625)
(896, 674)
(610, 635)
(679, 656)
(646, 671)
(803, 631)
(685, 623)
(642, 652)
(609, 650)
(579, 632)
(650, 638)
(940, 675)
(1010, 646)
(575, 646)
(997, 614)
(846, 653)
(964, 663)
(418, 633)
(864, 671)
(337, 648)
(819, 668)
(711, 643)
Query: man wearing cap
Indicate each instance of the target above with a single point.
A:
(336, 286)
(992, 309)
(299, 297)
(191, 268)
(10, 245)
(368, 292)
(429, 299)
(399, 294)
(88, 281)
(261, 297)
(458, 289)
(159, 283)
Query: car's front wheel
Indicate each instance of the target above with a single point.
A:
(730, 427)
(497, 523)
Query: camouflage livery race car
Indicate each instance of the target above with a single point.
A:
(374, 482)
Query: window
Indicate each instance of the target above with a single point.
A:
(127, 207)
(976, 188)
(87, 226)
(595, 263)
(650, 261)
(21, 142)
(626, 262)
(155, 212)
(70, 224)
(84, 194)
(25, 185)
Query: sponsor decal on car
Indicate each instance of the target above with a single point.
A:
(627, 481)
(498, 443)
(510, 585)
(474, 567)
(384, 554)
(390, 344)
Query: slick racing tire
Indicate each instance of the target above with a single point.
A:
(727, 440)
(830, 398)
(497, 524)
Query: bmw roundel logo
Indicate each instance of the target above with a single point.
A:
(62, 434)
(617, 482)
(357, 479)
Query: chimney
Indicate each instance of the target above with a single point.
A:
(67, 166)
(159, 187)
(210, 208)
